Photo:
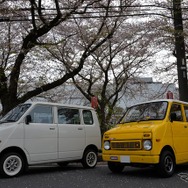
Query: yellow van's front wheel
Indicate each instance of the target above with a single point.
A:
(167, 164)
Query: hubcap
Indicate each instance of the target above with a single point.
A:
(168, 164)
(12, 165)
(91, 159)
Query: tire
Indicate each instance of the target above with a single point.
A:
(12, 164)
(115, 167)
(89, 159)
(63, 164)
(166, 164)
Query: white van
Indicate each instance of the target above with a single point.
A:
(39, 132)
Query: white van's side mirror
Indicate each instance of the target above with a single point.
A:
(27, 119)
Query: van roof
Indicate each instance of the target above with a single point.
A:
(164, 100)
(60, 104)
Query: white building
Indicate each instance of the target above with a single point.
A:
(144, 89)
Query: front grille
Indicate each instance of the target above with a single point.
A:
(126, 145)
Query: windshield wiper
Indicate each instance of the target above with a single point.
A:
(10, 120)
(3, 122)
(127, 121)
(7, 121)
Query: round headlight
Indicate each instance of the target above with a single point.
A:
(106, 145)
(147, 145)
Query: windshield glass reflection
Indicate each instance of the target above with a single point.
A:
(15, 114)
(145, 112)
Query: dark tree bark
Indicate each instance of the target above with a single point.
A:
(9, 86)
(41, 25)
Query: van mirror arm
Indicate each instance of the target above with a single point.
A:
(28, 119)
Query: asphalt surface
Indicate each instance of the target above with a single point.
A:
(75, 176)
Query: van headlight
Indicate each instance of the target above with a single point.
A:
(147, 145)
(106, 145)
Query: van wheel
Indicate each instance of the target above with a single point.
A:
(166, 164)
(115, 167)
(63, 164)
(89, 159)
(11, 165)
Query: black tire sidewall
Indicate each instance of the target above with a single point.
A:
(2, 160)
(84, 159)
(161, 167)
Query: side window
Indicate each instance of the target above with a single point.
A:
(42, 114)
(186, 112)
(68, 116)
(87, 116)
(176, 109)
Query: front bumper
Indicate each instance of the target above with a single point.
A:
(130, 159)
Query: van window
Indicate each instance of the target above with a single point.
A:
(87, 116)
(186, 112)
(41, 114)
(15, 114)
(68, 116)
(146, 112)
(176, 108)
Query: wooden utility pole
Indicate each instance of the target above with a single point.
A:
(180, 50)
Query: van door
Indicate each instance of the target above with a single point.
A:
(186, 129)
(179, 131)
(71, 134)
(41, 134)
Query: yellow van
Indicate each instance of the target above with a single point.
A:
(153, 133)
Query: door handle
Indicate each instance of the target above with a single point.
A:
(80, 128)
(185, 126)
(52, 128)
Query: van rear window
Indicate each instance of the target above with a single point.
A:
(68, 116)
(87, 116)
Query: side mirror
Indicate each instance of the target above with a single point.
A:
(27, 119)
(173, 117)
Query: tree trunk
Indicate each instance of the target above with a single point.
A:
(180, 51)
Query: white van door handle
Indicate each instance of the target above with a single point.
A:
(52, 128)
(80, 128)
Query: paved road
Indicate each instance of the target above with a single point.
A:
(52, 176)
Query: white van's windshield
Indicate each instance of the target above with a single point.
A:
(15, 114)
(145, 112)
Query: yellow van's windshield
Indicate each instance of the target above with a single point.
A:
(146, 111)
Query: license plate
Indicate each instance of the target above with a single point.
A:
(125, 159)
(114, 158)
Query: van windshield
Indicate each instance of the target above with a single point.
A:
(146, 111)
(15, 114)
